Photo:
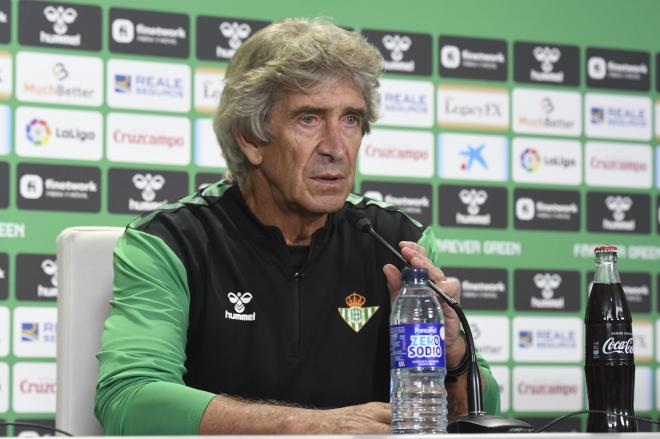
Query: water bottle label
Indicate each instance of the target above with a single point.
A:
(417, 345)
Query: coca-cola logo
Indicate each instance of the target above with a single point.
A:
(612, 346)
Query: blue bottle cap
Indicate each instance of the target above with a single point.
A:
(414, 274)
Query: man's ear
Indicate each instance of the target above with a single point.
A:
(252, 151)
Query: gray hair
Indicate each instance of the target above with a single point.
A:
(294, 55)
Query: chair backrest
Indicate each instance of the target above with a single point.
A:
(84, 260)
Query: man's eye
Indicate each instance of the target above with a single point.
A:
(308, 119)
(352, 120)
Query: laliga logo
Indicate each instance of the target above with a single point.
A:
(547, 283)
(239, 300)
(547, 57)
(473, 198)
(60, 18)
(612, 346)
(619, 206)
(49, 268)
(149, 185)
(396, 44)
(235, 32)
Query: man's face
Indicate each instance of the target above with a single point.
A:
(310, 162)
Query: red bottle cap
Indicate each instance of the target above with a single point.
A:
(606, 248)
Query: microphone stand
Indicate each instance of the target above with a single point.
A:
(476, 421)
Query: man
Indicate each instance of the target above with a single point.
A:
(227, 316)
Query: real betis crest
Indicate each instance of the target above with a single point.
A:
(355, 315)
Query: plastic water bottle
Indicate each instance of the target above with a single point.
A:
(417, 351)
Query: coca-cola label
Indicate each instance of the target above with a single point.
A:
(609, 342)
(417, 345)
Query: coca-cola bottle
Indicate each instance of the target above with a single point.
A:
(609, 359)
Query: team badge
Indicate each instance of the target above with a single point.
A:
(356, 316)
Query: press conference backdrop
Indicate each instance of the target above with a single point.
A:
(523, 132)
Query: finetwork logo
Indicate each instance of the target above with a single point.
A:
(547, 209)
(618, 69)
(148, 32)
(413, 199)
(31, 186)
(473, 58)
(482, 288)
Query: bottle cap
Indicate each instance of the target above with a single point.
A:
(408, 274)
(606, 249)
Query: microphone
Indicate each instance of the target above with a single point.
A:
(476, 420)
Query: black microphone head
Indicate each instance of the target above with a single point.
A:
(357, 219)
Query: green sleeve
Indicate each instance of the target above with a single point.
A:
(140, 389)
(492, 393)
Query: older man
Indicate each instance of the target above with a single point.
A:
(228, 314)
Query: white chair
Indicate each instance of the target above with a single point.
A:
(84, 260)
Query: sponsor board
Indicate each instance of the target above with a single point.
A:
(5, 23)
(544, 63)
(209, 83)
(472, 206)
(643, 340)
(4, 388)
(4, 280)
(546, 290)
(36, 277)
(643, 389)
(547, 389)
(473, 157)
(4, 330)
(6, 74)
(617, 117)
(405, 103)
(207, 149)
(4, 185)
(491, 336)
(141, 190)
(58, 188)
(473, 107)
(501, 375)
(33, 387)
(60, 134)
(218, 38)
(403, 52)
(397, 153)
(473, 58)
(618, 212)
(554, 113)
(5, 129)
(618, 69)
(412, 198)
(482, 288)
(149, 33)
(542, 209)
(12, 230)
(549, 339)
(636, 287)
(57, 24)
(59, 79)
(137, 138)
(657, 122)
(203, 179)
(46, 429)
(618, 164)
(536, 160)
(35, 332)
(144, 85)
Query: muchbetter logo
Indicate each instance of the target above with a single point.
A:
(618, 205)
(546, 112)
(239, 300)
(412, 198)
(547, 283)
(473, 199)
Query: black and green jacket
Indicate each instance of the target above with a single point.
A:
(207, 300)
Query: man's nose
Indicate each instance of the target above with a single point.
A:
(332, 143)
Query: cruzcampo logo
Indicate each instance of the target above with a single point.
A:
(355, 315)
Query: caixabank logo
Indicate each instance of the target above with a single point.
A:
(149, 33)
(615, 212)
(473, 206)
(541, 209)
(473, 157)
(137, 191)
(55, 24)
(5, 21)
(546, 63)
(4, 185)
(218, 38)
(636, 287)
(546, 290)
(4, 276)
(58, 188)
(403, 52)
(412, 198)
(482, 288)
(36, 277)
(618, 69)
(473, 58)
